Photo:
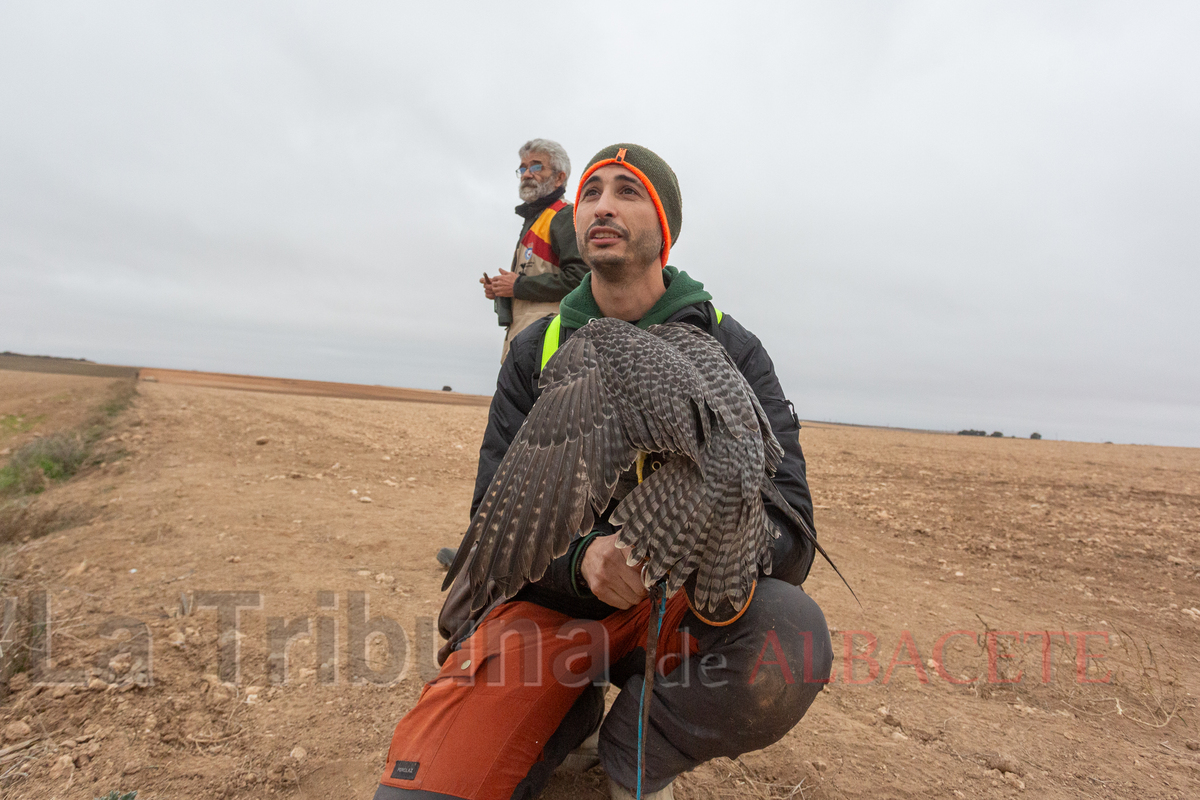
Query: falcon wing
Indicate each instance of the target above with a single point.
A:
(600, 405)
(711, 359)
(726, 390)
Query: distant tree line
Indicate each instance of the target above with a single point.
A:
(997, 434)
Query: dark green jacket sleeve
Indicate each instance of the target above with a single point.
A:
(554, 286)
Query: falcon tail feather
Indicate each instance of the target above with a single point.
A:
(773, 494)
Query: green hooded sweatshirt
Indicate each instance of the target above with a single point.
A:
(578, 307)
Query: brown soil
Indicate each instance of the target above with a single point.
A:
(937, 533)
(33, 404)
(357, 391)
(63, 366)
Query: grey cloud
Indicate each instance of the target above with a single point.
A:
(936, 215)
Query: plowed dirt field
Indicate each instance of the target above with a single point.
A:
(1030, 622)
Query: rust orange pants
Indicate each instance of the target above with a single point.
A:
(479, 726)
(508, 706)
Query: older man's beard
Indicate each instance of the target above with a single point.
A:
(614, 268)
(531, 189)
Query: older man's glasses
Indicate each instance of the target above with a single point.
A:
(530, 168)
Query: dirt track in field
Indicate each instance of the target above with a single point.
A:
(938, 534)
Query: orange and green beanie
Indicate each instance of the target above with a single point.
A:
(658, 178)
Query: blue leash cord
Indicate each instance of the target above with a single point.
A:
(658, 600)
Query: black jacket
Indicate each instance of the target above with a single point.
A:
(517, 390)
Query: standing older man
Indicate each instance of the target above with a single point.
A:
(516, 692)
(546, 265)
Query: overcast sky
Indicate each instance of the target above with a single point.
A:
(935, 215)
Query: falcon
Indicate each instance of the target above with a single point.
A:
(612, 395)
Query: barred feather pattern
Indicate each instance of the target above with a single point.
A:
(610, 392)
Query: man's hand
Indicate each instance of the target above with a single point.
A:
(499, 286)
(608, 576)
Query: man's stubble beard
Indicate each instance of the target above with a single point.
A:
(531, 189)
(612, 268)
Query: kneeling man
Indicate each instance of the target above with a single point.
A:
(521, 681)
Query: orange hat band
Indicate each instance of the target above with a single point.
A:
(641, 176)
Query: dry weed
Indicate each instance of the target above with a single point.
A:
(25, 518)
(734, 779)
(1143, 685)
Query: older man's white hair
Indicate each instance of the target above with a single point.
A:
(559, 162)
